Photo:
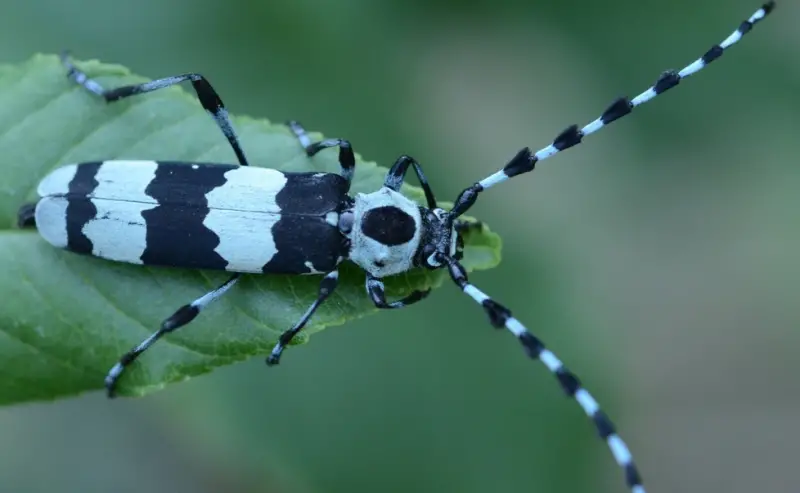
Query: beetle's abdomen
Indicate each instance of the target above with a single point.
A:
(206, 216)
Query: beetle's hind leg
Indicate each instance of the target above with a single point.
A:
(181, 317)
(347, 159)
(26, 216)
(208, 97)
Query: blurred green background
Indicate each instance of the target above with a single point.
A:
(659, 259)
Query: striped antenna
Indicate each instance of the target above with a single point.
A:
(525, 161)
(501, 317)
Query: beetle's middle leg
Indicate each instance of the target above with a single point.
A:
(347, 159)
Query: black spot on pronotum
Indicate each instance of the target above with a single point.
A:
(388, 225)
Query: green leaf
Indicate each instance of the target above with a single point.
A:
(65, 319)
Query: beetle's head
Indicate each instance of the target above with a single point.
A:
(439, 238)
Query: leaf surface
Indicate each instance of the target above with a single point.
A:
(65, 319)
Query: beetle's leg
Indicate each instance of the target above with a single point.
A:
(397, 173)
(377, 293)
(347, 160)
(205, 93)
(326, 287)
(181, 317)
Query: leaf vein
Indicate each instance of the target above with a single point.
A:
(121, 312)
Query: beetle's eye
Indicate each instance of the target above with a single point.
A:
(427, 251)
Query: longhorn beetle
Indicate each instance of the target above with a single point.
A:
(257, 220)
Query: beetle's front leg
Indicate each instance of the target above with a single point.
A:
(377, 293)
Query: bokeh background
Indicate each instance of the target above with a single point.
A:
(660, 259)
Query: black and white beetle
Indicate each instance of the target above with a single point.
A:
(257, 220)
